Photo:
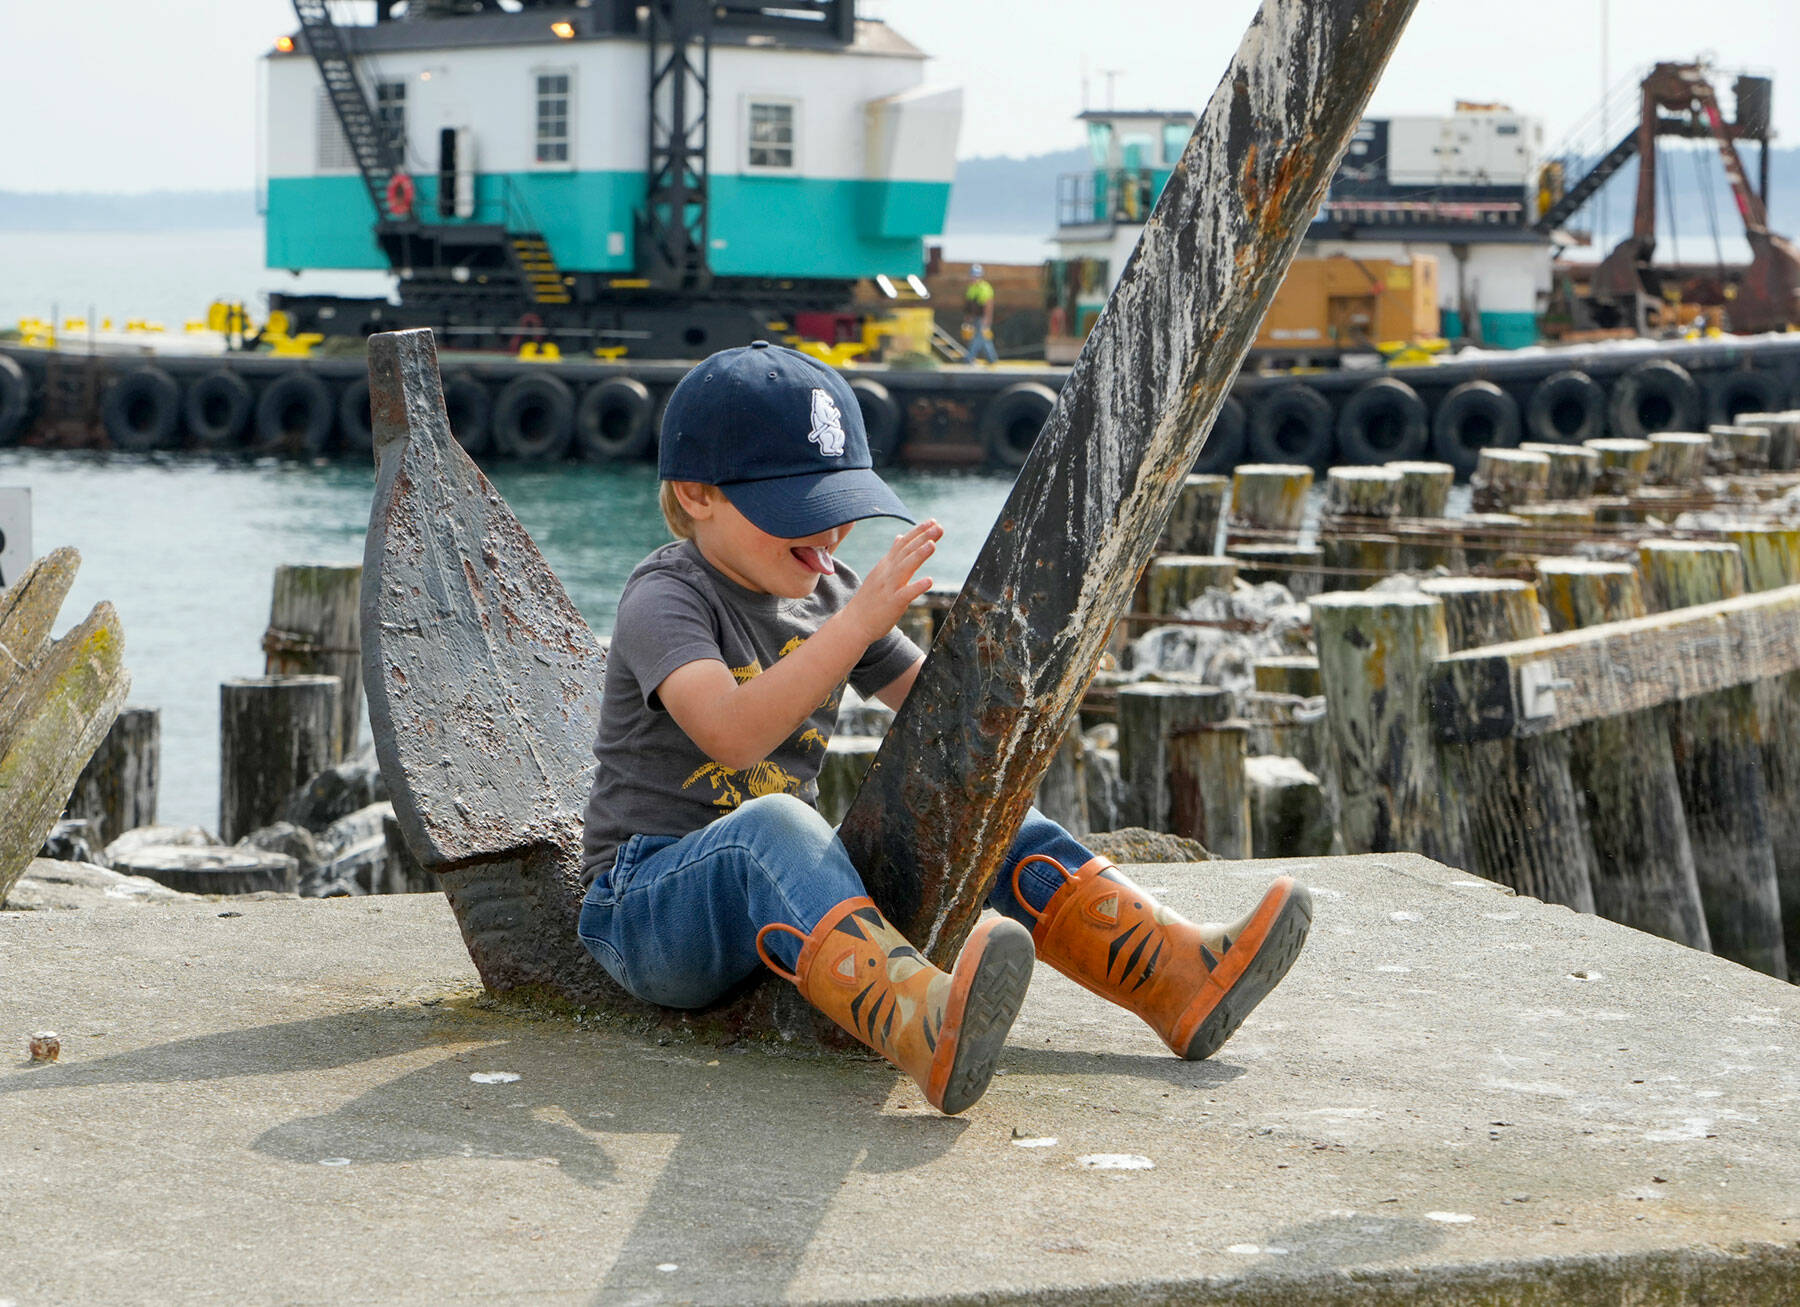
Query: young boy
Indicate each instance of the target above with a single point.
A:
(702, 846)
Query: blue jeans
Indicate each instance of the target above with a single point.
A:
(675, 920)
(981, 344)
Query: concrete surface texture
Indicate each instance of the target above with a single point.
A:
(1456, 1096)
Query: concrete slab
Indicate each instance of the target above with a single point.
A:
(1457, 1096)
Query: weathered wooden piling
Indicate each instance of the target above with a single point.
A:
(847, 759)
(1194, 525)
(1771, 557)
(1677, 458)
(1489, 539)
(1784, 436)
(1424, 496)
(1573, 469)
(1268, 503)
(1504, 478)
(1355, 540)
(1209, 794)
(1525, 823)
(275, 734)
(117, 789)
(1286, 714)
(1375, 656)
(1289, 814)
(1737, 449)
(1173, 581)
(1062, 794)
(1719, 764)
(1149, 714)
(1624, 462)
(315, 630)
(1297, 567)
(1623, 768)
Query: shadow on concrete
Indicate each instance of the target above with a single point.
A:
(1357, 1239)
(1161, 1065)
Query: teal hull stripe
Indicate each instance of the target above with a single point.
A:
(761, 226)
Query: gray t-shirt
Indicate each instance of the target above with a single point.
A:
(677, 608)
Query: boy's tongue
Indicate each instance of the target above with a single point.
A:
(815, 558)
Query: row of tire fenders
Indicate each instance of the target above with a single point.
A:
(540, 417)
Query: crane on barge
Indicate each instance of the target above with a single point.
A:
(487, 283)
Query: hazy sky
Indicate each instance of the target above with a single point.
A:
(146, 94)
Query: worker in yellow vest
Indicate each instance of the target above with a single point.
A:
(978, 317)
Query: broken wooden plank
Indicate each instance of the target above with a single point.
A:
(57, 701)
(1531, 687)
(1012, 657)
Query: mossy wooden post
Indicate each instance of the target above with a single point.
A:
(315, 630)
(1573, 469)
(1173, 581)
(1194, 525)
(1295, 566)
(1677, 458)
(1772, 560)
(1150, 713)
(1286, 712)
(1719, 762)
(1624, 462)
(58, 699)
(1062, 794)
(1209, 794)
(1643, 871)
(1355, 532)
(117, 788)
(847, 759)
(1524, 815)
(1485, 539)
(1784, 436)
(1505, 477)
(275, 734)
(1421, 503)
(1375, 656)
(1268, 504)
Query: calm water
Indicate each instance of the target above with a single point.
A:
(186, 551)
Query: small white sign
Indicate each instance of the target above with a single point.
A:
(15, 533)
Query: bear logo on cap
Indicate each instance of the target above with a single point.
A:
(827, 425)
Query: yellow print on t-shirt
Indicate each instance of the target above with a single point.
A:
(731, 784)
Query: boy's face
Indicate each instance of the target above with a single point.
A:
(751, 556)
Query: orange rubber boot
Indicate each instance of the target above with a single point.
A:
(1194, 985)
(944, 1030)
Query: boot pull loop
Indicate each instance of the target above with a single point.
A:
(763, 952)
(1030, 911)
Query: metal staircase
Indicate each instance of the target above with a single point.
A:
(378, 156)
(1585, 189)
(537, 268)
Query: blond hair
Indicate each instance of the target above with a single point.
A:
(680, 525)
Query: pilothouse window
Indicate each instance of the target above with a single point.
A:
(772, 139)
(553, 98)
(390, 113)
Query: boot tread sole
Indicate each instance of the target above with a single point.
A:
(997, 991)
(1273, 957)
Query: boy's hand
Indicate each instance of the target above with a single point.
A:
(890, 586)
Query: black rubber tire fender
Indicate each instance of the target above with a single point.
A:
(1385, 419)
(1566, 408)
(470, 407)
(1741, 390)
(217, 407)
(1656, 395)
(15, 400)
(1012, 420)
(1474, 416)
(534, 418)
(883, 421)
(295, 416)
(1224, 447)
(613, 421)
(1291, 423)
(356, 424)
(141, 409)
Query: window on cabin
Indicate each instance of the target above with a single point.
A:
(1175, 139)
(772, 136)
(390, 114)
(553, 98)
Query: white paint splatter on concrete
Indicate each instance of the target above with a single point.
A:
(1404, 916)
(1449, 1218)
(1045, 1142)
(1115, 1162)
(334, 1161)
(493, 1077)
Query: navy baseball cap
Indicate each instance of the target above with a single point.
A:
(781, 434)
